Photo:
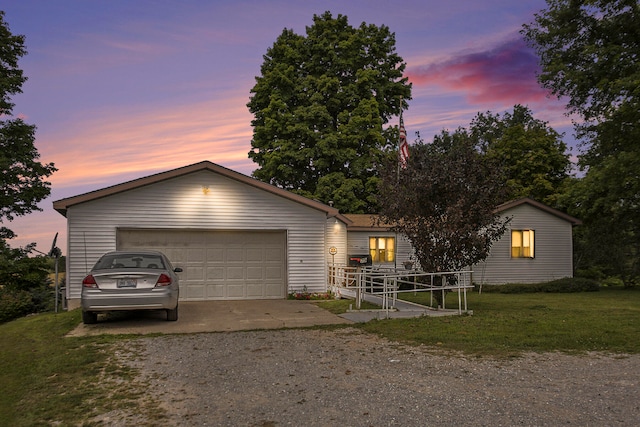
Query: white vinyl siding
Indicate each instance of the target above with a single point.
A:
(337, 238)
(181, 203)
(553, 250)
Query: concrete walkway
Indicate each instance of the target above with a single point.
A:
(403, 310)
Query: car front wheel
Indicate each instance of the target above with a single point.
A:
(89, 317)
(172, 315)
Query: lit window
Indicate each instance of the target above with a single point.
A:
(382, 249)
(522, 243)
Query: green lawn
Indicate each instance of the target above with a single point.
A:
(503, 324)
(48, 379)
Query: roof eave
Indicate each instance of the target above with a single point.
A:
(526, 200)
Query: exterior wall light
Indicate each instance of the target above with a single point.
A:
(205, 190)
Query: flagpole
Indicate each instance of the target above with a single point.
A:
(399, 142)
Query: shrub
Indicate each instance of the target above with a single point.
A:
(613, 281)
(593, 273)
(14, 304)
(565, 285)
(25, 286)
(568, 284)
(306, 295)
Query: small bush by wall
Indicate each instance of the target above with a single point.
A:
(565, 285)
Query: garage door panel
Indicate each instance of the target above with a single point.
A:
(274, 273)
(236, 291)
(197, 239)
(195, 255)
(272, 289)
(255, 255)
(255, 290)
(255, 273)
(219, 264)
(215, 273)
(175, 240)
(215, 255)
(196, 292)
(195, 273)
(235, 255)
(177, 256)
(215, 291)
(274, 255)
(235, 273)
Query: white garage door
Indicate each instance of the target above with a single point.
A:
(219, 265)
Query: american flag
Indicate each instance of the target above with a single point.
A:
(403, 146)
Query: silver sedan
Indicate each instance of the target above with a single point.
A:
(130, 280)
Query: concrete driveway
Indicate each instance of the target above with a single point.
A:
(214, 316)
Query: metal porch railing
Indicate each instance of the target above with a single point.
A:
(387, 283)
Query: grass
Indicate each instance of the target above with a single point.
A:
(509, 324)
(342, 305)
(50, 379)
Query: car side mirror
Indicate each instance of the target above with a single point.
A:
(177, 270)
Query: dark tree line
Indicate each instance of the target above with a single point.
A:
(23, 279)
(590, 55)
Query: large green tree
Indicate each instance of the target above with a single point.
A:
(24, 284)
(22, 178)
(589, 53)
(444, 201)
(320, 106)
(532, 156)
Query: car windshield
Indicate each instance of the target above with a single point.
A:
(129, 261)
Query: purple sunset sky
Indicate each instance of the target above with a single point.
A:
(123, 89)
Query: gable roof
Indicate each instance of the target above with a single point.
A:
(527, 201)
(369, 222)
(63, 204)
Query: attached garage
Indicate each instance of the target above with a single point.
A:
(234, 237)
(219, 264)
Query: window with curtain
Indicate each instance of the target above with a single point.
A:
(522, 243)
(382, 249)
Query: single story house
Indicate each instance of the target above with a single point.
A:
(536, 247)
(239, 238)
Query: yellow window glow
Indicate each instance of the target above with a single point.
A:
(382, 249)
(522, 242)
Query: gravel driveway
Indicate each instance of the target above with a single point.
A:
(346, 377)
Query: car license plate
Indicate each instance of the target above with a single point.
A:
(127, 283)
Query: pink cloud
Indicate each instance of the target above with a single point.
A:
(506, 74)
(120, 143)
(110, 146)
